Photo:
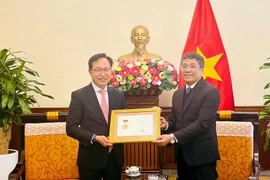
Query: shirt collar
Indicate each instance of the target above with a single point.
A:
(96, 88)
(192, 86)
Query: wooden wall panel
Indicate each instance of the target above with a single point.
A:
(142, 154)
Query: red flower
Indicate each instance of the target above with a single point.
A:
(161, 67)
(122, 63)
(174, 77)
(147, 61)
(133, 82)
(143, 82)
(135, 71)
(125, 72)
(156, 77)
(115, 84)
(152, 70)
(113, 76)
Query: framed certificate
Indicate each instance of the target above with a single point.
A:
(135, 125)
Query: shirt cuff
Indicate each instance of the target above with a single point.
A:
(175, 138)
(165, 129)
(93, 139)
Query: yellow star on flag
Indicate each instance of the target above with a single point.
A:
(209, 65)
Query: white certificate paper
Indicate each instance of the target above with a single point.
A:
(134, 125)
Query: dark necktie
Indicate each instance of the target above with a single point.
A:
(186, 94)
(188, 90)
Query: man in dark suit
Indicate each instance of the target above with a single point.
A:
(88, 121)
(192, 123)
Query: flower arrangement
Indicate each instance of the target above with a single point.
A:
(143, 74)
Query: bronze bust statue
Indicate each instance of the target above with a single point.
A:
(139, 37)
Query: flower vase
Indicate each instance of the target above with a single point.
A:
(152, 91)
(8, 163)
(142, 98)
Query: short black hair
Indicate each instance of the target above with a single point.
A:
(196, 56)
(95, 57)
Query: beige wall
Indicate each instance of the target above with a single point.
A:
(59, 36)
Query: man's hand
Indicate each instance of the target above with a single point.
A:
(163, 123)
(104, 141)
(163, 140)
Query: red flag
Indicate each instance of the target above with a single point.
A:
(204, 38)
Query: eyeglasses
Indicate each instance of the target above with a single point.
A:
(99, 70)
(192, 67)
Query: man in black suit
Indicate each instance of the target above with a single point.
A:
(88, 121)
(192, 123)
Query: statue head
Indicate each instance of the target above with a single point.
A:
(140, 37)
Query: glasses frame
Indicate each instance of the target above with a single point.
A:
(100, 70)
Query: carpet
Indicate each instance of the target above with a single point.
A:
(173, 177)
(264, 178)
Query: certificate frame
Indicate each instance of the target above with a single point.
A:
(134, 125)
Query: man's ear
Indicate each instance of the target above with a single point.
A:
(131, 39)
(202, 69)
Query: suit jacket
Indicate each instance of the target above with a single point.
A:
(194, 123)
(85, 118)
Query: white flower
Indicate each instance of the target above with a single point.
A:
(118, 78)
(138, 63)
(115, 65)
(144, 67)
(170, 68)
(161, 75)
(161, 62)
(148, 75)
(130, 66)
(138, 79)
(123, 81)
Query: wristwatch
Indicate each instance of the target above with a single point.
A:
(172, 138)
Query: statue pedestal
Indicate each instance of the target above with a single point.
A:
(142, 98)
(141, 101)
(144, 154)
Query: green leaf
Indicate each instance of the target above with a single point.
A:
(267, 96)
(11, 100)
(18, 119)
(266, 145)
(4, 100)
(5, 123)
(3, 54)
(24, 106)
(266, 103)
(16, 89)
(10, 87)
(35, 82)
(263, 131)
(267, 86)
(265, 66)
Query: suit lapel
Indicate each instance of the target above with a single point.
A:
(192, 94)
(92, 98)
